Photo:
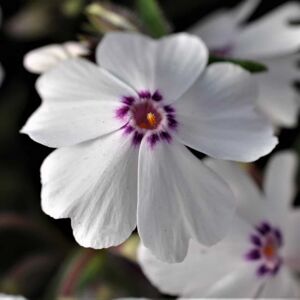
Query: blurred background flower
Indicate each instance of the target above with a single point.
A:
(39, 258)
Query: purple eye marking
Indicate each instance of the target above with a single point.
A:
(262, 270)
(153, 139)
(145, 94)
(172, 123)
(128, 129)
(122, 112)
(256, 241)
(169, 109)
(157, 96)
(254, 254)
(147, 116)
(137, 138)
(266, 242)
(278, 236)
(264, 228)
(128, 100)
(164, 135)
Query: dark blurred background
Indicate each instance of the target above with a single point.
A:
(38, 255)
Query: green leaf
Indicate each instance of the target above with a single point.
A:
(152, 17)
(249, 65)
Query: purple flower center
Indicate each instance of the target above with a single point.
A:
(266, 243)
(147, 116)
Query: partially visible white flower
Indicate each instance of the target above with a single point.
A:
(271, 40)
(42, 59)
(122, 127)
(259, 256)
(278, 99)
(11, 297)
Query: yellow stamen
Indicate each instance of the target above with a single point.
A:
(151, 119)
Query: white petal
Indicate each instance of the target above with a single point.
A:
(237, 177)
(181, 58)
(11, 297)
(185, 278)
(178, 199)
(79, 103)
(170, 65)
(80, 80)
(172, 279)
(280, 178)
(240, 283)
(282, 286)
(292, 239)
(43, 59)
(199, 273)
(271, 35)
(76, 49)
(278, 99)
(220, 28)
(130, 57)
(251, 204)
(218, 116)
(63, 124)
(245, 9)
(94, 184)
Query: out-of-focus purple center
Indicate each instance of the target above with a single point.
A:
(266, 243)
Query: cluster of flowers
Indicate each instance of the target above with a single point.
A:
(122, 127)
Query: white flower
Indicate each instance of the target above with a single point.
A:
(11, 297)
(259, 255)
(271, 40)
(121, 129)
(43, 59)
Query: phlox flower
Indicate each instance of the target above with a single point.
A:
(11, 297)
(259, 256)
(121, 128)
(272, 40)
(44, 58)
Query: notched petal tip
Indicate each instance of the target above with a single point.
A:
(229, 125)
(98, 241)
(102, 213)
